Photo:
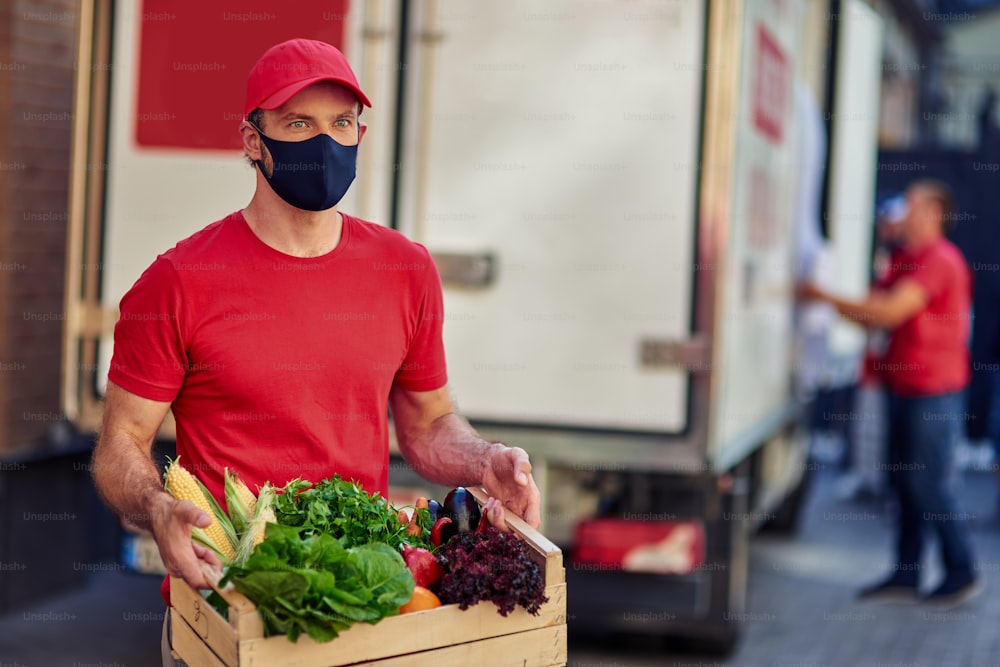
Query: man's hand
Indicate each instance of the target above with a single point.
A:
(130, 483)
(507, 477)
(443, 448)
(172, 520)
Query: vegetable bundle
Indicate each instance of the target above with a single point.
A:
(317, 586)
(316, 558)
(331, 561)
(313, 558)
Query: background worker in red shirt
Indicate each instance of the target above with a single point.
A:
(924, 301)
(281, 335)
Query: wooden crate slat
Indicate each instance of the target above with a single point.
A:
(242, 611)
(248, 623)
(190, 647)
(421, 631)
(542, 647)
(204, 620)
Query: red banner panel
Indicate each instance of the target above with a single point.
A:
(194, 57)
(771, 84)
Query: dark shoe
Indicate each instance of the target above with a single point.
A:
(890, 590)
(954, 591)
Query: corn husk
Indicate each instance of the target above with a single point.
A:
(254, 534)
(240, 501)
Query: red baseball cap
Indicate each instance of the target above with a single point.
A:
(288, 67)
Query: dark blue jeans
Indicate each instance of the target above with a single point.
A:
(923, 433)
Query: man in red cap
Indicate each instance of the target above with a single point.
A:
(281, 335)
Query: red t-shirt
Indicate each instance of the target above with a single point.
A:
(929, 353)
(279, 366)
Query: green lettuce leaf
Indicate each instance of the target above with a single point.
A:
(307, 582)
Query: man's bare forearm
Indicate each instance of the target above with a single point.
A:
(444, 448)
(448, 452)
(881, 308)
(871, 311)
(127, 479)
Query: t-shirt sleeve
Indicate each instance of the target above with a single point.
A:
(424, 367)
(933, 274)
(150, 356)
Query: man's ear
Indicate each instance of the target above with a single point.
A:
(362, 128)
(251, 141)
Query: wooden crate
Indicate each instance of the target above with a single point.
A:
(444, 637)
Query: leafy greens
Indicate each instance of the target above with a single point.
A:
(317, 586)
(344, 510)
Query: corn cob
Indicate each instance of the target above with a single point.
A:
(219, 535)
(257, 527)
(240, 501)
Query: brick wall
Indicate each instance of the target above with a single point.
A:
(37, 54)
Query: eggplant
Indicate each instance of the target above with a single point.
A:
(463, 510)
(434, 507)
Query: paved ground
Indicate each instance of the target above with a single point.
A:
(801, 611)
(114, 621)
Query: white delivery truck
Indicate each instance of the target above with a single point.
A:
(612, 192)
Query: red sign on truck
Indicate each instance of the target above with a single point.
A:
(770, 85)
(194, 58)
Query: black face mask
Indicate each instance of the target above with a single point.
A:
(313, 175)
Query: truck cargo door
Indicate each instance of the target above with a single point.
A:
(752, 330)
(551, 168)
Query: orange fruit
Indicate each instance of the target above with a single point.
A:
(422, 599)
